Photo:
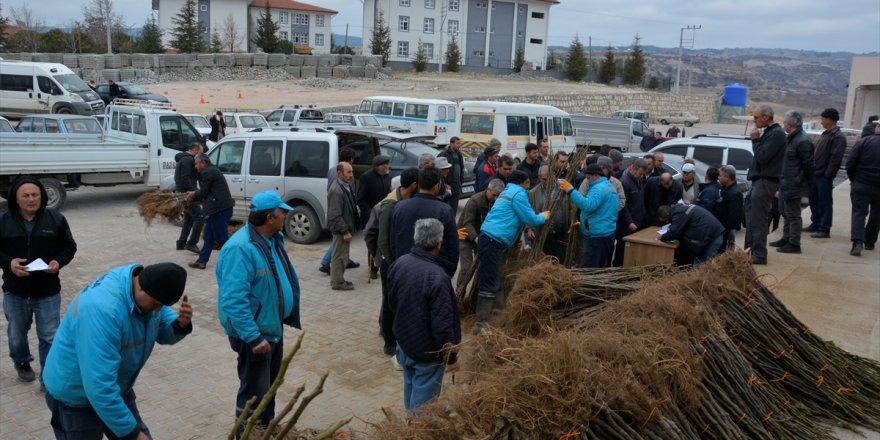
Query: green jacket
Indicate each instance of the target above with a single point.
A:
(475, 211)
(386, 207)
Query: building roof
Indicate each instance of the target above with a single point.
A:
(291, 4)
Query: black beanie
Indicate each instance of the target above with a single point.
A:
(164, 282)
(518, 177)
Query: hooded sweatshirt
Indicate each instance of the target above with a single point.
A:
(47, 237)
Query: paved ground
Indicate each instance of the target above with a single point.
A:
(187, 391)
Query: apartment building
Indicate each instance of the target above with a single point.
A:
(488, 32)
(298, 22)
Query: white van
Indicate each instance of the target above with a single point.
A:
(28, 88)
(435, 117)
(515, 124)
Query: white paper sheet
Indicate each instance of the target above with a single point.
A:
(663, 229)
(36, 265)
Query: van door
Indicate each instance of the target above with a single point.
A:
(176, 135)
(228, 157)
(17, 90)
(540, 130)
(45, 89)
(264, 167)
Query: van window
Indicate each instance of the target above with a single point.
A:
(45, 84)
(125, 122)
(307, 159)
(517, 125)
(312, 115)
(451, 112)
(275, 116)
(176, 132)
(381, 108)
(477, 124)
(228, 157)
(711, 156)
(248, 122)
(288, 116)
(365, 107)
(741, 159)
(566, 127)
(441, 112)
(230, 121)
(266, 157)
(548, 127)
(557, 125)
(16, 83)
(114, 121)
(419, 111)
(678, 150)
(398, 109)
(140, 124)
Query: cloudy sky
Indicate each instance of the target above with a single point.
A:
(844, 25)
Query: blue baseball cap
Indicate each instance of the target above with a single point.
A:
(268, 200)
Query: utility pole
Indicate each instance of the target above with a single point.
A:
(443, 12)
(682, 42)
(346, 37)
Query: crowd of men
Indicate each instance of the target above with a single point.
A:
(90, 360)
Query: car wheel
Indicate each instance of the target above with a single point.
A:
(688, 124)
(302, 225)
(55, 192)
(63, 111)
(663, 121)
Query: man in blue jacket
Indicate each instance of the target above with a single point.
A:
(258, 292)
(105, 339)
(598, 217)
(498, 233)
(424, 316)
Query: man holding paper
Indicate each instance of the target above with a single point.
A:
(35, 243)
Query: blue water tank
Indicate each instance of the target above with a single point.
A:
(735, 95)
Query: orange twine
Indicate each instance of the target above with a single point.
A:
(842, 390)
(570, 435)
(654, 411)
(769, 416)
(781, 378)
(820, 381)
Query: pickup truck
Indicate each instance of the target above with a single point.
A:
(621, 133)
(138, 145)
(285, 117)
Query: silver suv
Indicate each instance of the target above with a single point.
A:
(714, 150)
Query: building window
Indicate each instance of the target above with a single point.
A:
(403, 23)
(429, 4)
(480, 29)
(203, 8)
(522, 9)
(319, 39)
(283, 35)
(538, 15)
(319, 20)
(453, 5)
(300, 38)
(478, 53)
(404, 3)
(452, 26)
(282, 17)
(429, 50)
(429, 26)
(301, 19)
(536, 41)
(481, 5)
(403, 49)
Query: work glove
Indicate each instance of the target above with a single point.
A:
(546, 215)
(462, 234)
(565, 186)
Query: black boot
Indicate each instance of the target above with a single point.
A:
(484, 312)
(499, 304)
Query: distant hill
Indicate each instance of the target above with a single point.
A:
(353, 41)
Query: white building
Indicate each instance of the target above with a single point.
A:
(488, 32)
(299, 23)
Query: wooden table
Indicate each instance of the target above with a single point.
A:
(644, 247)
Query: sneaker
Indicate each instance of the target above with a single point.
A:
(324, 269)
(352, 264)
(778, 243)
(180, 246)
(389, 351)
(396, 364)
(789, 249)
(198, 265)
(869, 247)
(193, 248)
(25, 372)
(818, 234)
(856, 250)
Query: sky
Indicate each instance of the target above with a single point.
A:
(844, 25)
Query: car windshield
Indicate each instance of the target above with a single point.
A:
(368, 121)
(253, 122)
(84, 125)
(198, 121)
(134, 89)
(5, 126)
(72, 83)
(419, 149)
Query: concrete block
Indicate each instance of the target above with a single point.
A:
(206, 59)
(295, 60)
(356, 71)
(244, 60)
(324, 72)
(71, 61)
(310, 61)
(293, 71)
(358, 60)
(56, 57)
(224, 60)
(276, 60)
(371, 72)
(261, 59)
(340, 72)
(308, 72)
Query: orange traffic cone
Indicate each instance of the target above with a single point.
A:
(239, 95)
(202, 100)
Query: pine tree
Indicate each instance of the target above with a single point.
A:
(453, 56)
(266, 37)
(186, 36)
(576, 62)
(380, 39)
(216, 42)
(420, 60)
(151, 37)
(653, 83)
(608, 67)
(519, 59)
(634, 66)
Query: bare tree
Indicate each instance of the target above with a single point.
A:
(101, 21)
(24, 18)
(231, 34)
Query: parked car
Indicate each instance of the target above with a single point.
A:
(200, 123)
(5, 126)
(672, 164)
(58, 123)
(641, 115)
(242, 121)
(130, 91)
(714, 150)
(686, 118)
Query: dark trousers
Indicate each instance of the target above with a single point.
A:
(72, 423)
(865, 199)
(456, 196)
(619, 246)
(192, 225)
(595, 250)
(386, 317)
(821, 204)
(256, 372)
(791, 212)
(555, 245)
(758, 216)
(216, 231)
(490, 252)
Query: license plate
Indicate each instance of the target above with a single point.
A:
(467, 189)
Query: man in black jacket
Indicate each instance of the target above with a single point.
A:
(425, 315)
(863, 170)
(660, 190)
(632, 217)
(868, 129)
(531, 164)
(185, 180)
(698, 231)
(766, 169)
(375, 184)
(217, 206)
(729, 207)
(452, 153)
(30, 231)
(826, 160)
(797, 178)
(218, 127)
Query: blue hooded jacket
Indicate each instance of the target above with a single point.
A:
(507, 216)
(252, 301)
(101, 346)
(598, 208)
